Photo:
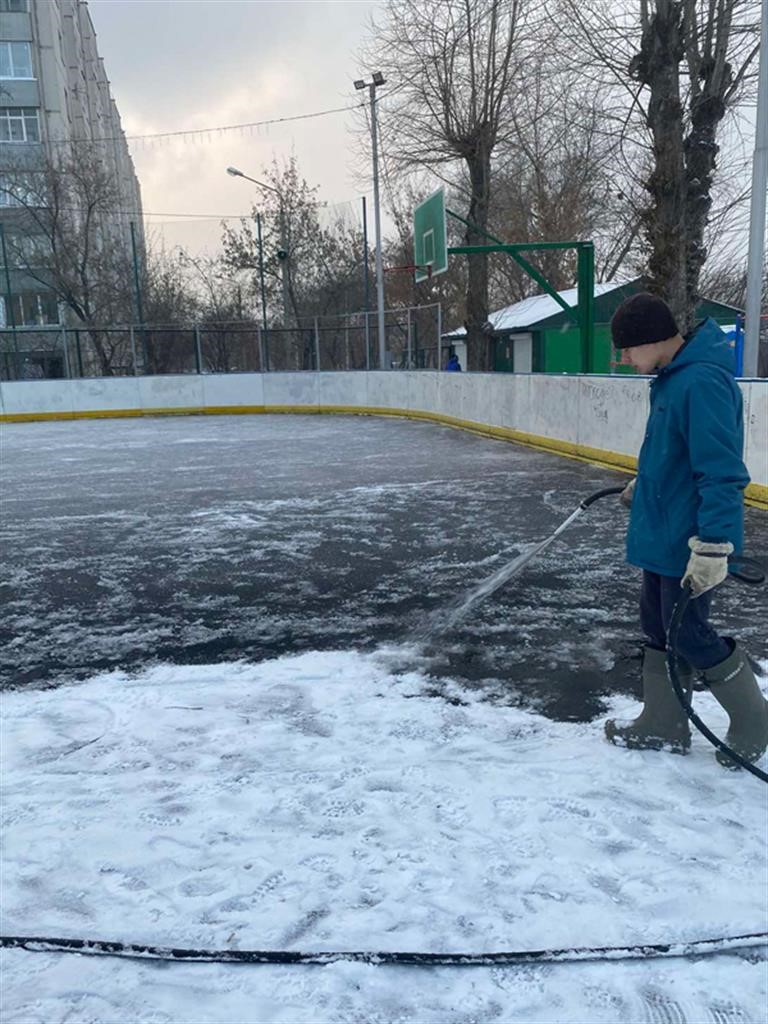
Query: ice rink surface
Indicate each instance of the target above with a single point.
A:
(199, 540)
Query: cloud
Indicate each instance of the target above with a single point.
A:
(178, 65)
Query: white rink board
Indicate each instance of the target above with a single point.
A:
(597, 412)
(232, 390)
(106, 393)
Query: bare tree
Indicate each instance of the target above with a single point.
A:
(68, 234)
(680, 65)
(451, 65)
(555, 181)
(312, 255)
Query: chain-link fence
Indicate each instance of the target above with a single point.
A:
(345, 342)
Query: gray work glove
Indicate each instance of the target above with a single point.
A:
(707, 566)
(626, 495)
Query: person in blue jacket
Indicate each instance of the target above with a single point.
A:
(453, 365)
(686, 517)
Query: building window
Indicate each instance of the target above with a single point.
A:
(15, 60)
(8, 195)
(31, 309)
(14, 6)
(19, 124)
(21, 191)
(28, 251)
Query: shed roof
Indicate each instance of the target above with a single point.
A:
(532, 312)
(522, 315)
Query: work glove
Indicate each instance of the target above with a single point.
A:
(626, 495)
(707, 566)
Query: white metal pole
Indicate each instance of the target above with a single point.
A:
(757, 215)
(377, 220)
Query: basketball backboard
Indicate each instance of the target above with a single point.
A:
(430, 237)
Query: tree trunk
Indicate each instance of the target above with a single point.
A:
(478, 342)
(701, 150)
(657, 66)
(105, 362)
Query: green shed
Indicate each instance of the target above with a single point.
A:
(538, 336)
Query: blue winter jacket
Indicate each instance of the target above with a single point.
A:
(690, 475)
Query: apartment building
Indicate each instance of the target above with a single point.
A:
(54, 92)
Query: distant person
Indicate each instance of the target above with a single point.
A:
(453, 365)
(686, 518)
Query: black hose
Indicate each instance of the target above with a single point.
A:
(674, 629)
(98, 947)
(601, 494)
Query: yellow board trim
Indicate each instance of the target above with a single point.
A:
(755, 495)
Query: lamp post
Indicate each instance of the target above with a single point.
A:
(756, 261)
(282, 254)
(377, 79)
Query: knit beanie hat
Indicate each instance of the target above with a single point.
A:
(641, 320)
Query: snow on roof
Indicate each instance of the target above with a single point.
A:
(537, 308)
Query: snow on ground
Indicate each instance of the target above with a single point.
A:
(328, 801)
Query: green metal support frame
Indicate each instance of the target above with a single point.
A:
(585, 255)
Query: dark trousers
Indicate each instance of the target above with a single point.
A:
(697, 641)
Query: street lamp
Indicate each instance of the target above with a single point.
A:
(282, 252)
(377, 79)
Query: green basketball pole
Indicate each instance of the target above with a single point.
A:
(586, 304)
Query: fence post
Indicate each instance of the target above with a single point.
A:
(410, 343)
(260, 346)
(346, 344)
(133, 353)
(67, 369)
(10, 313)
(198, 350)
(367, 343)
(317, 345)
(439, 336)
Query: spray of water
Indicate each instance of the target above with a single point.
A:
(445, 619)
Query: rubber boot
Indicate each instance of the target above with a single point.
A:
(733, 685)
(662, 724)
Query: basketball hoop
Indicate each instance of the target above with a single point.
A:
(411, 268)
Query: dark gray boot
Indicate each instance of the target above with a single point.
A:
(662, 724)
(733, 685)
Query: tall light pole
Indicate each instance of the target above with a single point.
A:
(377, 80)
(757, 215)
(282, 254)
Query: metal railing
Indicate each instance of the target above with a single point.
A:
(344, 342)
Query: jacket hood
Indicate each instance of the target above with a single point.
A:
(707, 344)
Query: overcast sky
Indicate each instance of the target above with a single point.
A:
(187, 64)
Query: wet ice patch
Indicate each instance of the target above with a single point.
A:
(332, 801)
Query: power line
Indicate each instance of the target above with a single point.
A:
(246, 126)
